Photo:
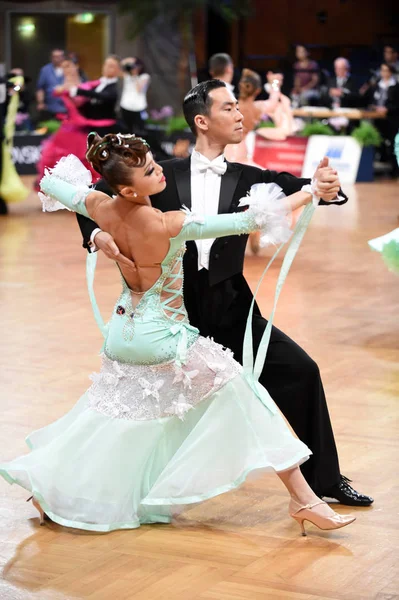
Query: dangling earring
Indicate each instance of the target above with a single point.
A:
(134, 195)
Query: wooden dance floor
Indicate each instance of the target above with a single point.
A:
(340, 303)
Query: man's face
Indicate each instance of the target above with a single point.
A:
(224, 122)
(341, 69)
(111, 68)
(388, 54)
(57, 56)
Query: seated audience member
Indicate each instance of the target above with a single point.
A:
(391, 58)
(221, 67)
(383, 97)
(306, 79)
(341, 89)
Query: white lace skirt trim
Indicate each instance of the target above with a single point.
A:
(142, 392)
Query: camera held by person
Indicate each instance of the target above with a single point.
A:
(131, 66)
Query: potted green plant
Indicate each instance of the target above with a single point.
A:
(368, 137)
(266, 123)
(316, 128)
(177, 123)
(50, 126)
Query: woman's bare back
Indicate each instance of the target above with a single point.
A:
(252, 113)
(141, 232)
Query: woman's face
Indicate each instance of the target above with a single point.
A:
(385, 72)
(301, 53)
(69, 68)
(147, 180)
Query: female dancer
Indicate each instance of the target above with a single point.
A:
(277, 107)
(388, 244)
(171, 419)
(71, 137)
(11, 187)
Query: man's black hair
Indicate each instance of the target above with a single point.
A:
(198, 102)
(218, 64)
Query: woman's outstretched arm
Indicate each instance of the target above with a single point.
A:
(269, 212)
(77, 198)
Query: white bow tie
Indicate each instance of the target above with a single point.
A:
(202, 164)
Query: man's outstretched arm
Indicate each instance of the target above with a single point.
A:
(325, 182)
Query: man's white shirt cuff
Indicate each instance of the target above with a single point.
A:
(310, 188)
(93, 247)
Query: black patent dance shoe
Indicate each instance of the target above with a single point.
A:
(345, 494)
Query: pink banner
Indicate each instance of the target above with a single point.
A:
(284, 155)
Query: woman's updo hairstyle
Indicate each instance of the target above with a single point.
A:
(250, 84)
(114, 156)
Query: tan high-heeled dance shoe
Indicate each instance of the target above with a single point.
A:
(308, 512)
(42, 514)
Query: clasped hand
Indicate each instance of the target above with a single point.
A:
(326, 181)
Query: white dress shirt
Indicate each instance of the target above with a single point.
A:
(341, 81)
(104, 81)
(134, 92)
(206, 178)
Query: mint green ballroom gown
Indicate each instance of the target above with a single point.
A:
(388, 244)
(171, 419)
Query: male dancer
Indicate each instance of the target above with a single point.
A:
(217, 296)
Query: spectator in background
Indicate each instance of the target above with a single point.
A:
(384, 98)
(133, 102)
(391, 58)
(221, 67)
(306, 79)
(73, 56)
(341, 89)
(50, 77)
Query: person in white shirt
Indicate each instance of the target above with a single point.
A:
(133, 102)
(221, 67)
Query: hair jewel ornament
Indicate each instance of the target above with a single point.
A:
(104, 153)
(128, 136)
